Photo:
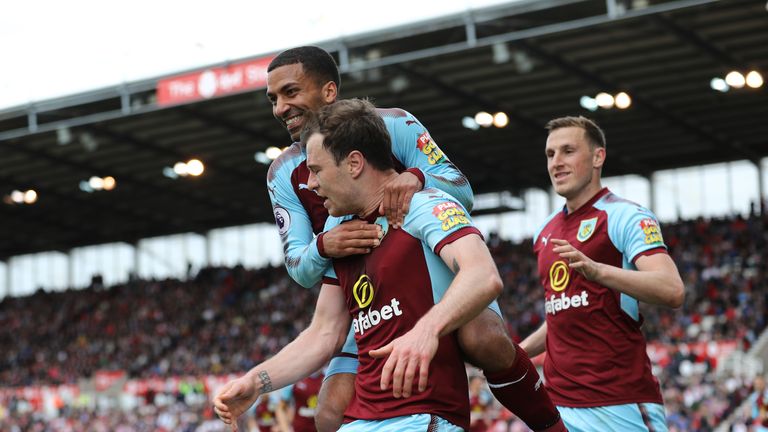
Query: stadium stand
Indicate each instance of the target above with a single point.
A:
(225, 320)
(147, 354)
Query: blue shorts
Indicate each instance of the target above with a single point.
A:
(633, 417)
(411, 423)
(346, 362)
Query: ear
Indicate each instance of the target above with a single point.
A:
(330, 92)
(598, 159)
(355, 163)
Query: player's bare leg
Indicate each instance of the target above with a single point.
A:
(512, 377)
(335, 394)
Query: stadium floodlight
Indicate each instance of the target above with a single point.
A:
(484, 119)
(89, 142)
(469, 123)
(85, 186)
(604, 100)
(500, 119)
(262, 158)
(30, 196)
(399, 84)
(17, 196)
(273, 152)
(170, 173)
(96, 183)
(523, 62)
(63, 135)
(719, 84)
(180, 168)
(754, 79)
(623, 101)
(195, 167)
(735, 79)
(501, 53)
(109, 183)
(588, 103)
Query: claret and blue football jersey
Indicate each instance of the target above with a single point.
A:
(389, 290)
(596, 352)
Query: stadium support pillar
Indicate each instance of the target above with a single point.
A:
(550, 199)
(651, 193)
(70, 269)
(612, 8)
(137, 258)
(8, 279)
(760, 188)
(208, 248)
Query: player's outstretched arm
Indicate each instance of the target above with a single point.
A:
(536, 342)
(657, 280)
(306, 354)
(476, 284)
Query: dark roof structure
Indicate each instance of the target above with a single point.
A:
(533, 60)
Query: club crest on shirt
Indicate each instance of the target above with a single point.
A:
(586, 229)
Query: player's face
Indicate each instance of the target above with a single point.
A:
(293, 93)
(572, 162)
(327, 179)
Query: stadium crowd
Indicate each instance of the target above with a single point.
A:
(226, 320)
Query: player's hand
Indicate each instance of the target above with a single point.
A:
(234, 399)
(407, 355)
(576, 260)
(350, 238)
(397, 198)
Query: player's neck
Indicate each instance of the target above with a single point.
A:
(375, 191)
(581, 198)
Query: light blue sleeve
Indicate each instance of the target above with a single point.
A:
(286, 393)
(303, 261)
(435, 215)
(633, 229)
(346, 361)
(414, 147)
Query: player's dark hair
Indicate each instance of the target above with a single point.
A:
(317, 63)
(348, 125)
(595, 135)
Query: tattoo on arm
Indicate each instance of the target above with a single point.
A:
(266, 382)
(455, 266)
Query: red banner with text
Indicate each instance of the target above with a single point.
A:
(213, 82)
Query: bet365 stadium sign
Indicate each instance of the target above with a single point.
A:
(213, 82)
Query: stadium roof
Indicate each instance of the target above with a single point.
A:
(532, 59)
